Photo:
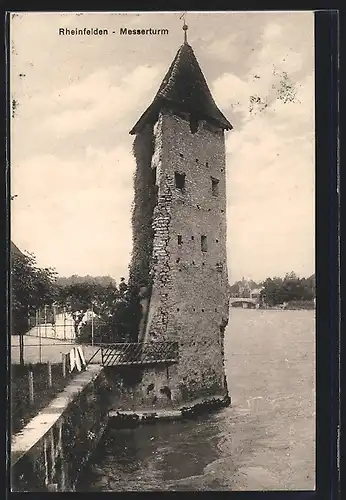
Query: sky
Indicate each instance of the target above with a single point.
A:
(77, 97)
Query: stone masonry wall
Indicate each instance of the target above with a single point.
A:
(189, 299)
(56, 458)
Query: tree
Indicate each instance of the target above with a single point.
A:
(293, 288)
(77, 298)
(290, 288)
(126, 315)
(272, 291)
(117, 309)
(31, 287)
(100, 280)
(118, 315)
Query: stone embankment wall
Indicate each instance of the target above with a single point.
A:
(50, 452)
(147, 391)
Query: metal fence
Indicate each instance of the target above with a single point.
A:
(56, 323)
(52, 331)
(42, 350)
(139, 353)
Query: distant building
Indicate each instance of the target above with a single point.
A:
(244, 289)
(256, 293)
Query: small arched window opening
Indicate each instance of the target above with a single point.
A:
(193, 124)
(215, 186)
(179, 181)
(204, 244)
(153, 172)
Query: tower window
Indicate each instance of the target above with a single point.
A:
(154, 175)
(215, 186)
(180, 239)
(192, 237)
(204, 246)
(193, 125)
(179, 181)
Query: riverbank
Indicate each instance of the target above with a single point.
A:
(49, 453)
(45, 383)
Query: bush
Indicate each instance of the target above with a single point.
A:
(301, 304)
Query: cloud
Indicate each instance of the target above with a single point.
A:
(272, 32)
(231, 91)
(280, 52)
(80, 209)
(270, 158)
(262, 89)
(73, 205)
(270, 179)
(97, 98)
(226, 48)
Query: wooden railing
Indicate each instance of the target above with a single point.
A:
(139, 353)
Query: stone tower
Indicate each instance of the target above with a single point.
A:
(179, 229)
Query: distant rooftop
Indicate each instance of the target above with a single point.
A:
(184, 88)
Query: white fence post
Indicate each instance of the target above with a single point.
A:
(45, 321)
(36, 321)
(63, 356)
(39, 335)
(50, 384)
(31, 388)
(64, 313)
(92, 325)
(54, 321)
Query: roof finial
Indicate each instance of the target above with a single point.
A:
(185, 27)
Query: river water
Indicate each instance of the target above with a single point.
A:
(264, 441)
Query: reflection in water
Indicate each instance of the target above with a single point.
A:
(186, 455)
(157, 456)
(263, 441)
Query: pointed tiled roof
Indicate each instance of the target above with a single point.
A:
(185, 88)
